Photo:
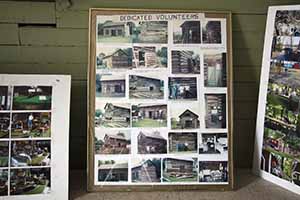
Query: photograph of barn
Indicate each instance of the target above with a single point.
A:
(287, 23)
(4, 153)
(4, 125)
(145, 87)
(183, 88)
(211, 32)
(110, 85)
(3, 182)
(215, 111)
(31, 125)
(149, 115)
(30, 181)
(145, 57)
(185, 62)
(112, 141)
(5, 97)
(112, 115)
(114, 32)
(186, 32)
(151, 142)
(215, 74)
(146, 170)
(32, 98)
(30, 153)
(213, 171)
(182, 142)
(112, 171)
(114, 58)
(213, 143)
(286, 48)
(185, 116)
(179, 169)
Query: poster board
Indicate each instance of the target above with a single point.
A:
(277, 144)
(34, 136)
(157, 118)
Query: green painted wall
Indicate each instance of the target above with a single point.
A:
(52, 38)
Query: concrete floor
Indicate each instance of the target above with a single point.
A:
(248, 187)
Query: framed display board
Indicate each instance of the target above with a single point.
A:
(160, 100)
(277, 146)
(34, 137)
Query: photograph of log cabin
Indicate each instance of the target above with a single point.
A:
(213, 143)
(186, 32)
(30, 153)
(149, 115)
(185, 115)
(112, 141)
(114, 58)
(32, 97)
(182, 88)
(287, 23)
(4, 153)
(110, 85)
(182, 142)
(30, 181)
(146, 170)
(179, 169)
(152, 142)
(5, 97)
(213, 171)
(4, 125)
(26, 125)
(112, 115)
(211, 32)
(112, 170)
(215, 74)
(185, 61)
(147, 57)
(215, 111)
(3, 182)
(146, 87)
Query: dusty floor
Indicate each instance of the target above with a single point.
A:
(248, 187)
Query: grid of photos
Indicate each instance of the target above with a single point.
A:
(281, 141)
(25, 140)
(161, 100)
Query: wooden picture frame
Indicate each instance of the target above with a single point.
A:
(136, 37)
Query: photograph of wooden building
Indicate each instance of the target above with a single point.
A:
(112, 142)
(182, 142)
(151, 32)
(110, 85)
(149, 115)
(186, 32)
(4, 153)
(112, 115)
(146, 170)
(213, 171)
(112, 171)
(4, 125)
(145, 87)
(215, 106)
(182, 88)
(114, 58)
(213, 143)
(3, 182)
(179, 169)
(114, 32)
(184, 116)
(215, 74)
(5, 97)
(185, 62)
(211, 32)
(145, 57)
(151, 143)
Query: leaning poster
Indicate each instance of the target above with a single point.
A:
(277, 148)
(159, 106)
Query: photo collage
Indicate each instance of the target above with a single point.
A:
(161, 100)
(281, 142)
(25, 139)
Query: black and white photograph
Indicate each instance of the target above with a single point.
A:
(213, 143)
(5, 97)
(215, 74)
(183, 88)
(215, 111)
(4, 125)
(182, 142)
(145, 170)
(186, 32)
(152, 142)
(113, 170)
(186, 61)
(150, 57)
(110, 85)
(211, 32)
(213, 171)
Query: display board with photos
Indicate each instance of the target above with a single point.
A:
(277, 148)
(34, 132)
(160, 100)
